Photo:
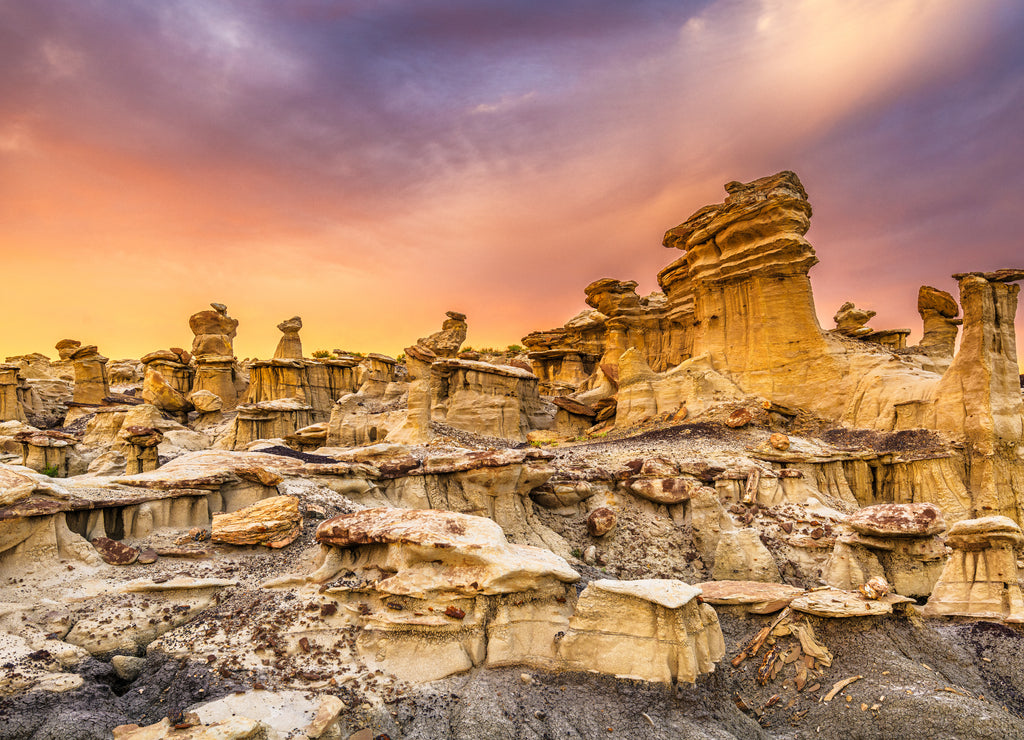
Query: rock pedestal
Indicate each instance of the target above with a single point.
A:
(212, 348)
(981, 578)
(10, 399)
(47, 452)
(90, 367)
(898, 542)
(140, 451)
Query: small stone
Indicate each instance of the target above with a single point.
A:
(147, 556)
(590, 555)
(779, 441)
(601, 521)
(739, 418)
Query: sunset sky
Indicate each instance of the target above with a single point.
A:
(369, 164)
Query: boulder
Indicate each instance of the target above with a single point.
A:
(273, 522)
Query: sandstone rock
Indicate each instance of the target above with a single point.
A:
(91, 385)
(837, 604)
(234, 728)
(14, 486)
(758, 597)
(157, 391)
(601, 521)
(274, 522)
(289, 346)
(11, 400)
(446, 342)
(653, 630)
(939, 311)
(981, 578)
(205, 402)
(741, 556)
(664, 490)
(442, 551)
(850, 320)
(214, 331)
(898, 520)
(779, 441)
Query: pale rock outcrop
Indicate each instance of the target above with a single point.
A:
(158, 392)
(741, 556)
(446, 343)
(415, 427)
(50, 452)
(435, 593)
(174, 370)
(232, 728)
(205, 402)
(652, 630)
(492, 400)
(979, 396)
(266, 420)
(981, 578)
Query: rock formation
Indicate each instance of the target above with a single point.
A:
(446, 343)
(660, 479)
(214, 354)
(91, 385)
(981, 578)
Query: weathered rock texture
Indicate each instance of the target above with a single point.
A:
(446, 343)
(653, 630)
(897, 542)
(214, 354)
(981, 578)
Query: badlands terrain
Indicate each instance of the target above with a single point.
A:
(692, 514)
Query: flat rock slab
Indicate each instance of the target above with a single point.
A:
(666, 592)
(898, 520)
(762, 598)
(114, 552)
(834, 603)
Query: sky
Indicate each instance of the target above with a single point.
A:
(369, 164)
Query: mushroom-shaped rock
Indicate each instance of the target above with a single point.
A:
(141, 436)
(981, 578)
(435, 552)
(274, 522)
(290, 346)
(654, 630)
(898, 520)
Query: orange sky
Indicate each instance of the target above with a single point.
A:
(369, 165)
